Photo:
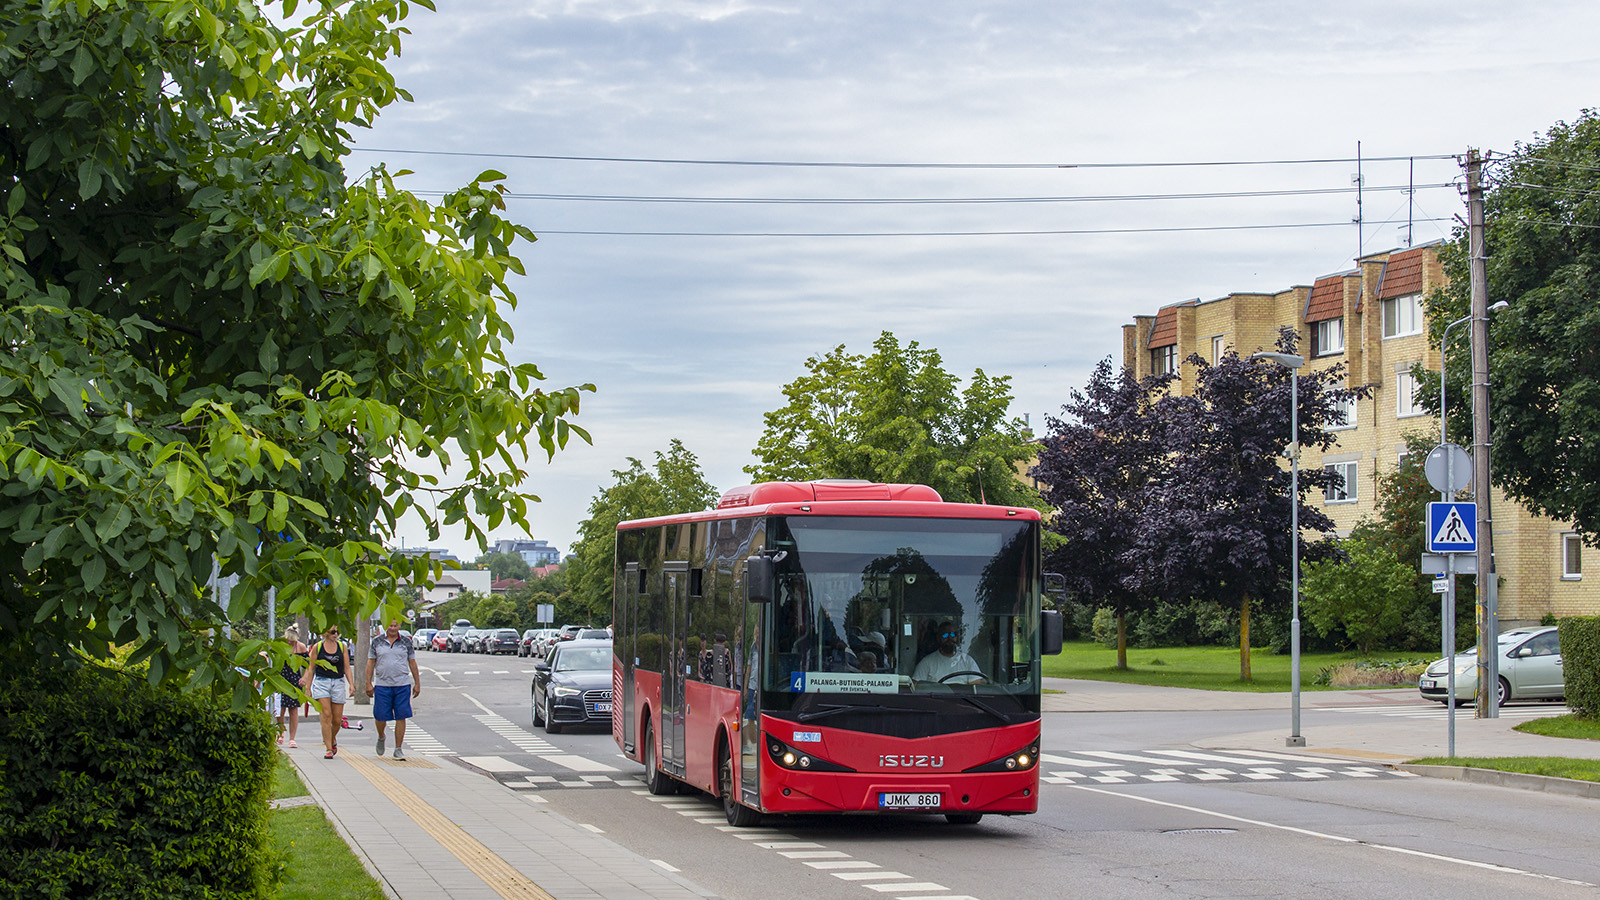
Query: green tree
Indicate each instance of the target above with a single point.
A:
(220, 344)
(1543, 245)
(504, 565)
(1365, 595)
(675, 485)
(895, 415)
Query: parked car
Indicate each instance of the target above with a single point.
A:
(525, 643)
(592, 634)
(423, 639)
(574, 687)
(1530, 669)
(441, 641)
(547, 639)
(500, 640)
(458, 635)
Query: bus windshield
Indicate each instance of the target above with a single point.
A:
(900, 605)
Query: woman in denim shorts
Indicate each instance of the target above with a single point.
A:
(330, 680)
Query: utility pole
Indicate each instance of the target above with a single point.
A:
(1488, 706)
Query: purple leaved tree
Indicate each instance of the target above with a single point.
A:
(1216, 524)
(1095, 469)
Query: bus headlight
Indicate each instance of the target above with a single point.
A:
(791, 758)
(1020, 761)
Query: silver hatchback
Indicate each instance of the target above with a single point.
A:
(1530, 669)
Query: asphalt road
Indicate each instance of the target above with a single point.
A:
(1129, 808)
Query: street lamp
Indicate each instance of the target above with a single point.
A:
(1293, 363)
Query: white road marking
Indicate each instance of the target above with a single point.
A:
(1323, 835)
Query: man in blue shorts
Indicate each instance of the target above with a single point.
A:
(392, 680)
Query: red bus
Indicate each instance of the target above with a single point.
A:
(834, 647)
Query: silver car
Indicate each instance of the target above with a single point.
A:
(1530, 669)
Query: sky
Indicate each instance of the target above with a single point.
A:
(1054, 122)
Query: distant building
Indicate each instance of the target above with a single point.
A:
(534, 553)
(438, 553)
(1371, 318)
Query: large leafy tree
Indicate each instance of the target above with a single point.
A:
(222, 346)
(1542, 206)
(675, 484)
(1217, 524)
(1095, 469)
(895, 415)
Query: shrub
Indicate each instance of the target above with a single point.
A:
(1372, 673)
(1105, 627)
(1580, 661)
(110, 788)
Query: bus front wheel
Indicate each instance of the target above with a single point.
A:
(739, 815)
(963, 818)
(655, 780)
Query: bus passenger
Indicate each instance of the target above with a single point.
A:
(947, 663)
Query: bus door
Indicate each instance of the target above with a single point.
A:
(675, 581)
(627, 629)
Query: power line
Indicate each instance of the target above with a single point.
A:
(887, 165)
(854, 234)
(1216, 195)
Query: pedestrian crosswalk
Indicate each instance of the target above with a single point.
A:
(1195, 767)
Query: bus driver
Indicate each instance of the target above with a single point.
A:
(948, 660)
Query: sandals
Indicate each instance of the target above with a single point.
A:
(293, 745)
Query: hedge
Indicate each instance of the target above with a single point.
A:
(110, 788)
(1580, 663)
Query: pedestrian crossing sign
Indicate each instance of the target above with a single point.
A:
(1452, 527)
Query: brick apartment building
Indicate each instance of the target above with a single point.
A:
(1372, 319)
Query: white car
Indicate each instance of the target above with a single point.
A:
(1530, 669)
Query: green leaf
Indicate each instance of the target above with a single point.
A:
(109, 528)
(178, 480)
(88, 178)
(93, 572)
(82, 64)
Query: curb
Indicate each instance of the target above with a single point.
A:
(1569, 787)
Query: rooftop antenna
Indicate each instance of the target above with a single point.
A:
(1358, 180)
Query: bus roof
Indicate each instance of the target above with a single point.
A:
(838, 497)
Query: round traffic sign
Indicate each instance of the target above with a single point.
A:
(1448, 467)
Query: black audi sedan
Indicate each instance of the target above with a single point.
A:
(573, 687)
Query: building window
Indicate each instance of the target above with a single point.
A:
(1343, 487)
(1405, 388)
(1571, 557)
(1402, 315)
(1344, 414)
(1327, 337)
(1164, 360)
(1217, 349)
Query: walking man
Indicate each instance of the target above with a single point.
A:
(392, 680)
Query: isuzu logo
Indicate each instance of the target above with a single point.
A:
(911, 762)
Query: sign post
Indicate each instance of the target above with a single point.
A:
(1451, 533)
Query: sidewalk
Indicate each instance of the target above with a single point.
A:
(428, 828)
(1389, 739)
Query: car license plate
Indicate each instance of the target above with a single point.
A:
(1429, 682)
(908, 801)
(602, 707)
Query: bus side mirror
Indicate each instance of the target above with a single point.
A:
(1050, 631)
(1055, 584)
(758, 579)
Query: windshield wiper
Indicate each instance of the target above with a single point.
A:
(833, 710)
(988, 709)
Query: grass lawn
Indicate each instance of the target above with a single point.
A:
(1563, 727)
(1206, 668)
(1554, 766)
(314, 861)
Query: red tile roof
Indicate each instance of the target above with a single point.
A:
(1165, 331)
(1327, 299)
(1402, 274)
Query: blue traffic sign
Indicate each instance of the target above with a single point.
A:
(1452, 527)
